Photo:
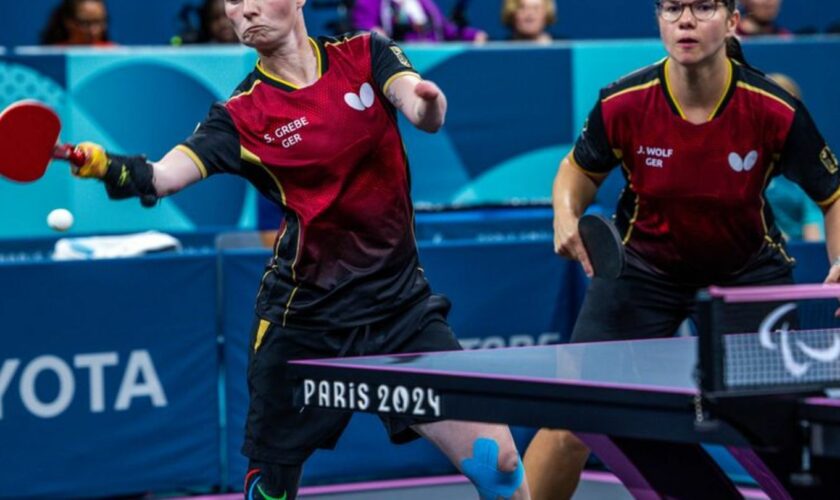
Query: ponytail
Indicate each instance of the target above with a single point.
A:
(735, 51)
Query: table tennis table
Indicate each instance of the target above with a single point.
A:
(637, 404)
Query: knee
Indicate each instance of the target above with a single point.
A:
(568, 445)
(494, 473)
(561, 443)
(508, 459)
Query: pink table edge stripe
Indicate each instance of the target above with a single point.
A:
(781, 292)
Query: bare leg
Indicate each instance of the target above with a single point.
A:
(554, 461)
(455, 439)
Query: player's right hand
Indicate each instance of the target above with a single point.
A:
(96, 161)
(567, 243)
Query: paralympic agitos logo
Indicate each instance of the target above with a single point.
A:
(794, 367)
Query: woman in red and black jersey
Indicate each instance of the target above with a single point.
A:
(698, 136)
(314, 128)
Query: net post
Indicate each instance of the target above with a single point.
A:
(709, 372)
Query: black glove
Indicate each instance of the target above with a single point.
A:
(129, 176)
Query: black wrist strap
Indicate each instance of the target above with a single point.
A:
(130, 176)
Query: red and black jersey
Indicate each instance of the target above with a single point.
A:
(693, 208)
(331, 155)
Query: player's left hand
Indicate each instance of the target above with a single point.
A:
(833, 273)
(834, 278)
(429, 110)
(428, 91)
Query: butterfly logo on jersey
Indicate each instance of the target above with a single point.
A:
(361, 101)
(744, 164)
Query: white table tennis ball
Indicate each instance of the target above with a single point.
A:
(60, 219)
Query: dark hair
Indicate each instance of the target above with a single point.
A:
(735, 52)
(55, 31)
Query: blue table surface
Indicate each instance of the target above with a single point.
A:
(653, 365)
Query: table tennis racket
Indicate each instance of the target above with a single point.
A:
(603, 246)
(29, 133)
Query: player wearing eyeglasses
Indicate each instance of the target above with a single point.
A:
(698, 135)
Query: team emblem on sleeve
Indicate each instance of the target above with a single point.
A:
(828, 160)
(400, 56)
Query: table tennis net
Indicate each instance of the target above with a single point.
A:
(770, 339)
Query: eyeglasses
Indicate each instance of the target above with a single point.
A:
(673, 11)
(90, 23)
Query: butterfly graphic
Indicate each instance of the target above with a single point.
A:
(361, 101)
(744, 164)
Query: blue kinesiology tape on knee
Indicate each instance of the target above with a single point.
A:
(482, 469)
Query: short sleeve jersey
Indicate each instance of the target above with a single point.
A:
(331, 155)
(693, 208)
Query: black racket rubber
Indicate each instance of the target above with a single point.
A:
(603, 246)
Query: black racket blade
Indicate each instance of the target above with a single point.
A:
(603, 246)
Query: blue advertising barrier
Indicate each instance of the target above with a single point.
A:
(109, 369)
(108, 377)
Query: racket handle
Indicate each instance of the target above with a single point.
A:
(70, 153)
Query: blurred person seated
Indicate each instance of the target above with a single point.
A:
(412, 21)
(215, 26)
(78, 22)
(758, 18)
(205, 23)
(528, 20)
(798, 217)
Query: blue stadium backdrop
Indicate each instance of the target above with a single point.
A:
(94, 398)
(514, 112)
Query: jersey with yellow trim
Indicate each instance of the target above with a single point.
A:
(693, 208)
(332, 156)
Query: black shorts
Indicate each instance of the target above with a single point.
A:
(641, 304)
(277, 432)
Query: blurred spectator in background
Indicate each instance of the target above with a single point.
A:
(413, 21)
(797, 216)
(78, 22)
(758, 18)
(528, 20)
(205, 23)
(215, 26)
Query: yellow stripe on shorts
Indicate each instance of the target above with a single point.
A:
(261, 333)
